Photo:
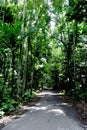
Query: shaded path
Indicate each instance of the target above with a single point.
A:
(50, 113)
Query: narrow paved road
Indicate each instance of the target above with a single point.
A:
(50, 113)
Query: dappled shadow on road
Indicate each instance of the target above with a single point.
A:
(51, 108)
(54, 103)
(51, 102)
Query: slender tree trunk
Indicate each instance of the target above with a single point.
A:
(32, 66)
(74, 44)
(21, 52)
(26, 64)
(13, 68)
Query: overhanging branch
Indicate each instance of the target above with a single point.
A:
(60, 40)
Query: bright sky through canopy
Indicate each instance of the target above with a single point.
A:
(52, 22)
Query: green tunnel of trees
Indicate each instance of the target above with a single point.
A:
(42, 43)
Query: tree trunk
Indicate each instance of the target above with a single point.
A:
(26, 64)
(21, 52)
(13, 68)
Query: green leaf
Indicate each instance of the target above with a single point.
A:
(30, 31)
(76, 1)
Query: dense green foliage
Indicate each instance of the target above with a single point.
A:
(42, 44)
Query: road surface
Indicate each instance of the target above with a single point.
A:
(50, 113)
